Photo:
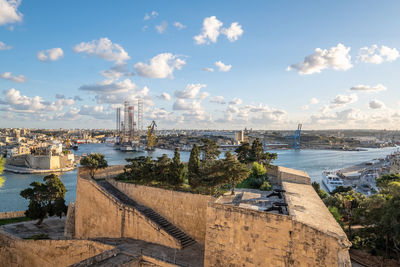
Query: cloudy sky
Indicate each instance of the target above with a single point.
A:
(199, 64)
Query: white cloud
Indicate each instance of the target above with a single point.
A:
(218, 100)
(222, 67)
(117, 71)
(368, 88)
(103, 48)
(314, 101)
(162, 27)
(3, 46)
(377, 55)
(236, 101)
(153, 14)
(342, 100)
(52, 54)
(376, 104)
(212, 28)
(233, 32)
(161, 66)
(208, 69)
(192, 91)
(179, 25)
(8, 76)
(9, 12)
(182, 104)
(165, 96)
(336, 57)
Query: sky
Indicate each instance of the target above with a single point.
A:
(201, 64)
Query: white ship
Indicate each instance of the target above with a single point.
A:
(331, 180)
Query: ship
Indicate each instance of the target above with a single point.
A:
(331, 180)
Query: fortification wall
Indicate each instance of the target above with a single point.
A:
(43, 253)
(98, 214)
(105, 173)
(293, 176)
(12, 214)
(242, 237)
(186, 210)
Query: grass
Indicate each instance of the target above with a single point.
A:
(14, 220)
(38, 237)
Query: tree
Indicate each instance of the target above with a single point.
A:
(194, 166)
(257, 151)
(94, 162)
(321, 193)
(177, 174)
(210, 150)
(162, 169)
(45, 198)
(234, 171)
(2, 163)
(243, 153)
(268, 158)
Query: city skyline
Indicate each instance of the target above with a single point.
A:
(224, 65)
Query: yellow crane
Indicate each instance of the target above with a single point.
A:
(151, 136)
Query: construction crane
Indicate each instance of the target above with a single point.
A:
(295, 139)
(151, 136)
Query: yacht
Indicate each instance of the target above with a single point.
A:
(331, 180)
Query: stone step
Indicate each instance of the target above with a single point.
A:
(167, 226)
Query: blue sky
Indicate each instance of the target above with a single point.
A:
(53, 53)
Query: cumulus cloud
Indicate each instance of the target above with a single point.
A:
(212, 28)
(342, 100)
(3, 46)
(235, 101)
(218, 100)
(347, 117)
(377, 55)
(179, 25)
(208, 69)
(314, 101)
(104, 49)
(162, 27)
(368, 88)
(376, 104)
(161, 66)
(9, 76)
(233, 32)
(52, 54)
(182, 104)
(336, 57)
(9, 12)
(153, 14)
(117, 71)
(222, 67)
(192, 91)
(165, 96)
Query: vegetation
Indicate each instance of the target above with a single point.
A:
(2, 163)
(205, 172)
(38, 237)
(377, 216)
(14, 220)
(94, 162)
(45, 199)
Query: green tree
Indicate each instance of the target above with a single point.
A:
(257, 151)
(233, 171)
(2, 163)
(177, 170)
(162, 169)
(210, 150)
(94, 162)
(194, 166)
(384, 180)
(45, 198)
(321, 193)
(268, 158)
(243, 153)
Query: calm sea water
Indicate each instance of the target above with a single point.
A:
(311, 161)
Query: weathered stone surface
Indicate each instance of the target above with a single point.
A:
(12, 214)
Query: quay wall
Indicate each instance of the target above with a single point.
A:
(12, 214)
(186, 210)
(46, 253)
(242, 237)
(98, 214)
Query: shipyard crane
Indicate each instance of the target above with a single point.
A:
(295, 138)
(151, 136)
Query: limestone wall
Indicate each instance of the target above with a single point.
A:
(98, 214)
(185, 210)
(242, 237)
(108, 172)
(293, 176)
(43, 253)
(12, 214)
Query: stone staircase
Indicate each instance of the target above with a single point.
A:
(163, 223)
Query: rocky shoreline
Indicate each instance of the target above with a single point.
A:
(23, 170)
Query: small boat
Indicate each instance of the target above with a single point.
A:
(75, 147)
(331, 180)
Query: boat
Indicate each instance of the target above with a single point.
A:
(331, 180)
(75, 147)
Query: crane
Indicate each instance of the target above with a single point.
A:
(295, 139)
(151, 136)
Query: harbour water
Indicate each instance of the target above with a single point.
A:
(311, 161)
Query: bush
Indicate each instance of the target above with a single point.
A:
(266, 186)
